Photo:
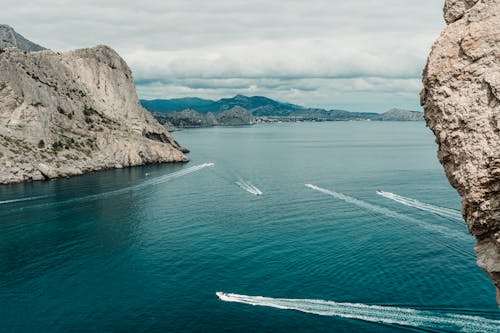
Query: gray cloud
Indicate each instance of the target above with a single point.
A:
(358, 54)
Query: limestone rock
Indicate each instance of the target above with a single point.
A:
(236, 116)
(400, 115)
(188, 119)
(10, 38)
(64, 114)
(462, 107)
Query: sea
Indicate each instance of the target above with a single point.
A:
(298, 227)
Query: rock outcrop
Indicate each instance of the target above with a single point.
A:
(236, 116)
(461, 98)
(65, 114)
(400, 115)
(189, 118)
(10, 38)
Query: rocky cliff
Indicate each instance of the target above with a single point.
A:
(236, 116)
(189, 118)
(64, 114)
(10, 38)
(400, 115)
(461, 98)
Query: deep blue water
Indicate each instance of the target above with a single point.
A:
(134, 251)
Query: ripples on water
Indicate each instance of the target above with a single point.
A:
(141, 250)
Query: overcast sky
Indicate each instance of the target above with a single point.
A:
(360, 55)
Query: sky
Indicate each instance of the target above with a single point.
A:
(358, 55)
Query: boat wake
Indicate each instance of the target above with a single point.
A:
(151, 182)
(442, 211)
(148, 183)
(25, 199)
(431, 320)
(444, 231)
(173, 175)
(249, 187)
(387, 212)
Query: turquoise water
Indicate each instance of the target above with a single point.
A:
(137, 250)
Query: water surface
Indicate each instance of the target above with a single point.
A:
(136, 250)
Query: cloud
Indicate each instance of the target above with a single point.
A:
(358, 94)
(298, 58)
(300, 51)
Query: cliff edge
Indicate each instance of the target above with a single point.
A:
(461, 98)
(65, 114)
(10, 38)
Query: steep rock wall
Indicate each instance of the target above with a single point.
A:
(64, 114)
(461, 98)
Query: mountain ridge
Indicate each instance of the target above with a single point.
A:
(265, 109)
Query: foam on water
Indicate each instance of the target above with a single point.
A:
(385, 211)
(24, 199)
(247, 186)
(431, 320)
(442, 211)
(443, 230)
(151, 182)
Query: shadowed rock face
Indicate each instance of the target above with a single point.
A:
(461, 98)
(235, 117)
(400, 115)
(10, 38)
(71, 113)
(189, 118)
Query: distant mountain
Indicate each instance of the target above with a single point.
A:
(236, 116)
(268, 110)
(258, 105)
(189, 118)
(179, 104)
(10, 38)
(400, 115)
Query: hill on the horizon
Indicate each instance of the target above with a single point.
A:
(261, 106)
(258, 105)
(396, 114)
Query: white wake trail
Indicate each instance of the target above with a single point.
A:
(387, 212)
(150, 182)
(173, 175)
(248, 187)
(257, 191)
(451, 322)
(442, 211)
(25, 199)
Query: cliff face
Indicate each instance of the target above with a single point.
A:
(400, 115)
(189, 118)
(71, 113)
(461, 98)
(10, 38)
(236, 116)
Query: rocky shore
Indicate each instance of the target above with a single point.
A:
(65, 114)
